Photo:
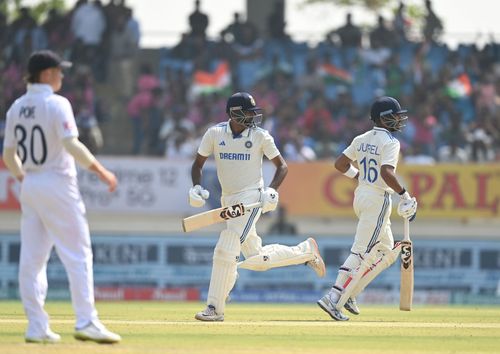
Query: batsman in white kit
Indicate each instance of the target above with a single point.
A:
(373, 250)
(40, 148)
(238, 146)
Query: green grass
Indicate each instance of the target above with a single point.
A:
(161, 327)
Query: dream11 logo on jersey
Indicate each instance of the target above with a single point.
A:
(9, 190)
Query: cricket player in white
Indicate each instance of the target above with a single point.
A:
(373, 250)
(238, 147)
(40, 149)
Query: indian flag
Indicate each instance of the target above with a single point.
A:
(333, 75)
(460, 87)
(210, 82)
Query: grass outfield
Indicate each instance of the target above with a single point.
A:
(161, 327)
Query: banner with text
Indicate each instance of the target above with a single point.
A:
(442, 191)
(153, 186)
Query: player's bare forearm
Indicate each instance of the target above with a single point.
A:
(104, 175)
(389, 177)
(196, 169)
(343, 164)
(281, 172)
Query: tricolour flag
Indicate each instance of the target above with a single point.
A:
(332, 74)
(459, 87)
(210, 82)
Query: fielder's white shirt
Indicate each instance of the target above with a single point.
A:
(238, 158)
(37, 123)
(373, 149)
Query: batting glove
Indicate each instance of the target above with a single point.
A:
(197, 196)
(270, 198)
(407, 208)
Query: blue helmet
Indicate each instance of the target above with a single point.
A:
(242, 109)
(387, 110)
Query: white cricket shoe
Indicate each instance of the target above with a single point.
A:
(209, 314)
(352, 306)
(47, 337)
(317, 264)
(96, 332)
(326, 304)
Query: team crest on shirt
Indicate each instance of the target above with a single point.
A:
(248, 144)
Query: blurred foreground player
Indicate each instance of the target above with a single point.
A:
(238, 146)
(373, 250)
(40, 148)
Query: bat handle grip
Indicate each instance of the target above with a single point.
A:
(406, 230)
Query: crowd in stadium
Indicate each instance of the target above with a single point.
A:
(315, 98)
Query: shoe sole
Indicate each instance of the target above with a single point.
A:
(318, 255)
(84, 338)
(41, 341)
(351, 310)
(325, 308)
(206, 319)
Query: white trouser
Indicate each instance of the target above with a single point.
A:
(373, 208)
(242, 230)
(276, 255)
(53, 214)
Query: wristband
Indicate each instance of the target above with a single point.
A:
(351, 172)
(402, 192)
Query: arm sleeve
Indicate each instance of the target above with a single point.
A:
(66, 125)
(390, 154)
(269, 147)
(12, 161)
(350, 151)
(207, 144)
(79, 151)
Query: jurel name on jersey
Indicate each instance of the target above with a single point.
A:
(369, 148)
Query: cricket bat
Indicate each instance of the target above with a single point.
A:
(218, 215)
(406, 290)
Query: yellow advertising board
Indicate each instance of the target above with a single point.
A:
(442, 191)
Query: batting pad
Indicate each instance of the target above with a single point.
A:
(276, 255)
(345, 271)
(226, 254)
(374, 262)
(388, 257)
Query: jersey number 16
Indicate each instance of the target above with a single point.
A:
(370, 171)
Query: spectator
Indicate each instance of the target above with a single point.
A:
(232, 33)
(55, 26)
(276, 22)
(317, 117)
(198, 22)
(138, 108)
(295, 148)
(452, 153)
(382, 37)
(433, 27)
(248, 44)
(480, 139)
(124, 48)
(88, 25)
(350, 35)
(400, 24)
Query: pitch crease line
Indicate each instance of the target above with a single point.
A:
(312, 323)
